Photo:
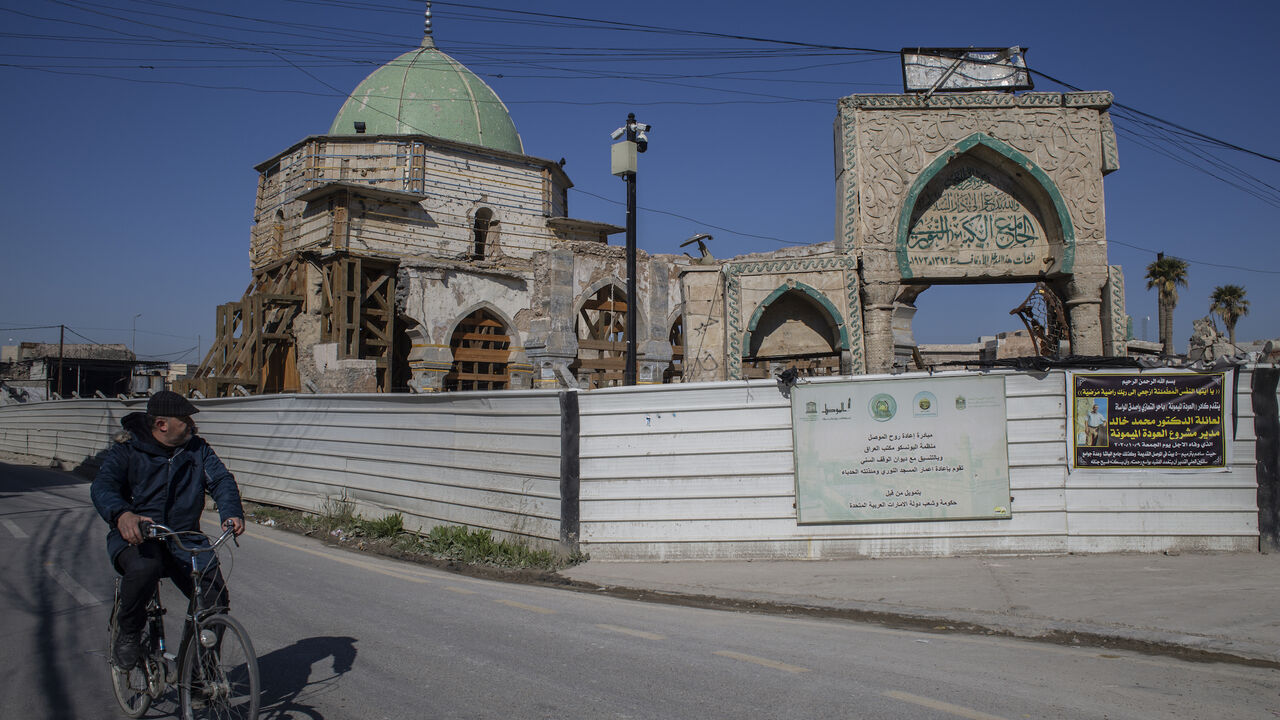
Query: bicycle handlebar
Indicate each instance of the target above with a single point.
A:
(159, 532)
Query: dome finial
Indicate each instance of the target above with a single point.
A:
(427, 40)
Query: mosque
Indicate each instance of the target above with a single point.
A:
(416, 247)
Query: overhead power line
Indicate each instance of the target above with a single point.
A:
(464, 12)
(1196, 262)
(695, 220)
(1170, 123)
(202, 30)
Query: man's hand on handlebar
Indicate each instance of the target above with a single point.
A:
(236, 524)
(128, 524)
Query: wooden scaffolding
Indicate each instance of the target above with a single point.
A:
(602, 342)
(255, 350)
(481, 353)
(358, 311)
(254, 347)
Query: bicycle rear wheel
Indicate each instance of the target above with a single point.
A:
(220, 681)
(131, 687)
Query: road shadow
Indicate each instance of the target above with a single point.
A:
(286, 675)
(55, 535)
(16, 479)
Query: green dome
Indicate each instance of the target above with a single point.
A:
(426, 92)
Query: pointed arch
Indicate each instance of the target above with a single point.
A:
(979, 141)
(675, 336)
(600, 321)
(480, 342)
(812, 294)
(619, 289)
(818, 319)
(492, 310)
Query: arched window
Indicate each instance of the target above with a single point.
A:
(480, 234)
(277, 236)
(481, 348)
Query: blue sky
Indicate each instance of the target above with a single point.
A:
(131, 129)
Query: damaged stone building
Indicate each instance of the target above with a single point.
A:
(416, 247)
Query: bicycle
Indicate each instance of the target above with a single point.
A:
(215, 670)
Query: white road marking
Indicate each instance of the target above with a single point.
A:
(530, 608)
(762, 661)
(940, 706)
(12, 527)
(633, 633)
(346, 561)
(84, 597)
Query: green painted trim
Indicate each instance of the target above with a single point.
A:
(962, 147)
(837, 320)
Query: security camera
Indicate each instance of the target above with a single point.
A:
(641, 137)
(617, 133)
(642, 127)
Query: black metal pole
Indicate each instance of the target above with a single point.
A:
(629, 373)
(62, 329)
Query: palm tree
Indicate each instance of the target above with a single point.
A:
(1229, 303)
(1165, 275)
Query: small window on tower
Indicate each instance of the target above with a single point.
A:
(483, 223)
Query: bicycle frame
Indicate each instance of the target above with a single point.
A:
(196, 613)
(204, 681)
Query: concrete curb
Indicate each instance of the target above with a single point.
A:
(1198, 648)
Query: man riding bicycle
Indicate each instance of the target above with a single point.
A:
(159, 471)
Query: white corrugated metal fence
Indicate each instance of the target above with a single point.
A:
(663, 472)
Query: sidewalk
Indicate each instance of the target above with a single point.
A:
(1223, 606)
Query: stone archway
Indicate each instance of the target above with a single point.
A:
(481, 348)
(983, 209)
(981, 212)
(796, 326)
(601, 328)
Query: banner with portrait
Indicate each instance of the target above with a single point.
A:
(929, 448)
(1156, 420)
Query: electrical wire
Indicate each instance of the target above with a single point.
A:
(82, 337)
(1184, 145)
(1167, 138)
(1196, 262)
(31, 327)
(695, 220)
(163, 356)
(559, 20)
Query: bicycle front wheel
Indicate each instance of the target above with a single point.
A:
(219, 673)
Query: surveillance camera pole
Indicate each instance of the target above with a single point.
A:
(629, 373)
(633, 140)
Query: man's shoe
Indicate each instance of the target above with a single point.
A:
(127, 651)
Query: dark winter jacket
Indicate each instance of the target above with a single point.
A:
(166, 484)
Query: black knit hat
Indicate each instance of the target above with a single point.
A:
(168, 403)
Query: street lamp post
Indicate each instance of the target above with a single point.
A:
(134, 344)
(634, 140)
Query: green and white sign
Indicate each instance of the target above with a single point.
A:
(901, 449)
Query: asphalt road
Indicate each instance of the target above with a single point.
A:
(344, 635)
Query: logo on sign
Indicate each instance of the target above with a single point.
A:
(883, 407)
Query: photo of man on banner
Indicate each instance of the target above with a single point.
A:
(1096, 423)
